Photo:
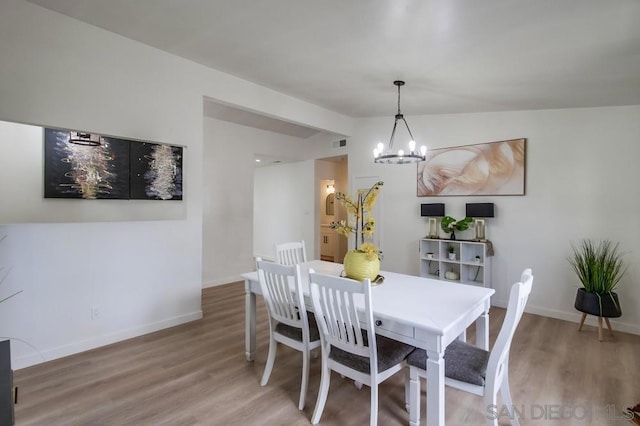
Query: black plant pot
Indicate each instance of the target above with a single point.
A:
(591, 303)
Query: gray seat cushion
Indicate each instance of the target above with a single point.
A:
(296, 333)
(462, 361)
(390, 353)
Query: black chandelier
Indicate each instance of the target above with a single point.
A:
(400, 157)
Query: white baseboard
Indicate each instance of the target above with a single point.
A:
(118, 336)
(221, 281)
(616, 324)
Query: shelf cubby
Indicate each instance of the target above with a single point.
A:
(472, 262)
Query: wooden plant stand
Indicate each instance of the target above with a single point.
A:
(584, 316)
(602, 306)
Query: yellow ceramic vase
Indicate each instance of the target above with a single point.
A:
(358, 267)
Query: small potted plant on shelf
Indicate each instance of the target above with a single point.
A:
(599, 268)
(476, 259)
(450, 225)
(452, 253)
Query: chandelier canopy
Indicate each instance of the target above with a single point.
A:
(399, 157)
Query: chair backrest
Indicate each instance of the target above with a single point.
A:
(525, 275)
(282, 291)
(291, 253)
(499, 357)
(334, 304)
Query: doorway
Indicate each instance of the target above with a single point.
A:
(331, 178)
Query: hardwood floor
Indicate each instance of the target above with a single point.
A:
(196, 374)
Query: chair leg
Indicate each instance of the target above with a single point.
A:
(609, 326)
(414, 396)
(374, 404)
(506, 398)
(491, 400)
(325, 378)
(305, 378)
(271, 358)
(584, 317)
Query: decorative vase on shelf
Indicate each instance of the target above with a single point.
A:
(451, 275)
(358, 267)
(452, 236)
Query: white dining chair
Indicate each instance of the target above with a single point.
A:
(291, 253)
(289, 321)
(350, 346)
(475, 370)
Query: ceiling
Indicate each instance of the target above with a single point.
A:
(455, 55)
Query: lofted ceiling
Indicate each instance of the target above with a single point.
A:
(455, 55)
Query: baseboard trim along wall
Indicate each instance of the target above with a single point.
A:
(223, 281)
(617, 325)
(104, 340)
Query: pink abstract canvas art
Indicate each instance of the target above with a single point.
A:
(494, 168)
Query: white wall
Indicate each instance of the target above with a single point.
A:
(228, 217)
(285, 207)
(142, 275)
(581, 182)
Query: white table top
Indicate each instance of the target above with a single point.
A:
(428, 304)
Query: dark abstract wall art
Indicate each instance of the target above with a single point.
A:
(87, 165)
(156, 171)
(83, 171)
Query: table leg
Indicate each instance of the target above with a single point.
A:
(435, 388)
(250, 322)
(482, 331)
(413, 397)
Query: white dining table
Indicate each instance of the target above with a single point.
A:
(422, 312)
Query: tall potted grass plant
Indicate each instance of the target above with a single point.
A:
(599, 267)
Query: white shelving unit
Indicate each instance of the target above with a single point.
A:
(471, 263)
